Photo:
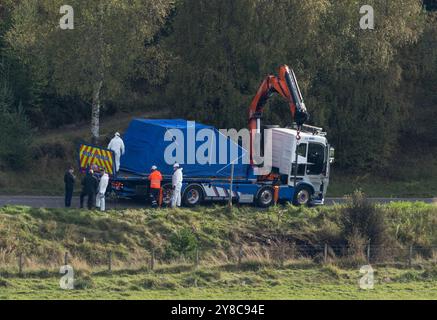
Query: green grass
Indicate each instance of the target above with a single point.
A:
(290, 282)
(44, 235)
(375, 186)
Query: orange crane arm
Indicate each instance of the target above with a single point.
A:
(284, 84)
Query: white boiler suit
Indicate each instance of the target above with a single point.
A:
(176, 182)
(117, 145)
(100, 198)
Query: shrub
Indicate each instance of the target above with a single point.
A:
(362, 221)
(84, 282)
(4, 283)
(16, 136)
(52, 150)
(183, 242)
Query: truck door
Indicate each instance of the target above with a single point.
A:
(316, 166)
(301, 163)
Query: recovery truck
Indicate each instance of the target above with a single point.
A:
(300, 156)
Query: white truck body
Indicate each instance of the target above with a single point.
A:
(313, 158)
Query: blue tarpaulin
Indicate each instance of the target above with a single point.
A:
(146, 146)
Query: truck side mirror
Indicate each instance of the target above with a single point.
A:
(331, 155)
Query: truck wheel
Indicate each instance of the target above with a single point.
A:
(167, 192)
(193, 196)
(265, 197)
(302, 196)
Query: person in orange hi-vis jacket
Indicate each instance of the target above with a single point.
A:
(155, 179)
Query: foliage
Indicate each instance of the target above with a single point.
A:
(182, 243)
(372, 90)
(45, 234)
(96, 59)
(15, 131)
(362, 221)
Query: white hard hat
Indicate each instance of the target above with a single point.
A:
(117, 134)
(176, 165)
(154, 167)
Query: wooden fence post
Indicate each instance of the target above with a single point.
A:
(110, 261)
(197, 258)
(20, 263)
(368, 252)
(410, 256)
(325, 254)
(293, 250)
(240, 255)
(66, 258)
(152, 259)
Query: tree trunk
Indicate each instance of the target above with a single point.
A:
(95, 113)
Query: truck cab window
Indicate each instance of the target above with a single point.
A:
(302, 149)
(316, 158)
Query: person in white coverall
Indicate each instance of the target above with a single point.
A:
(176, 182)
(117, 145)
(103, 184)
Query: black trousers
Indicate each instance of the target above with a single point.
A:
(68, 196)
(154, 197)
(90, 200)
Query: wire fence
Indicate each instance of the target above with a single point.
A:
(237, 257)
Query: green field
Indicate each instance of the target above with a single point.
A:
(293, 281)
(244, 254)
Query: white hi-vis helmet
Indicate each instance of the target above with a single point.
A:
(154, 167)
(176, 165)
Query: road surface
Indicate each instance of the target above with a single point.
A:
(58, 202)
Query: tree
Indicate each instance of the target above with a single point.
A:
(419, 127)
(97, 58)
(350, 77)
(223, 49)
(15, 132)
(359, 76)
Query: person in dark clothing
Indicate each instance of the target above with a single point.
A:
(69, 180)
(89, 188)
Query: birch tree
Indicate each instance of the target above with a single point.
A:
(104, 44)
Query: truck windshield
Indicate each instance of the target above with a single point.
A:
(316, 158)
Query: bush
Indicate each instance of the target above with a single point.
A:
(84, 282)
(52, 150)
(183, 242)
(4, 283)
(16, 136)
(361, 222)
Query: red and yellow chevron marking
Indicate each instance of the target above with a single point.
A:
(92, 155)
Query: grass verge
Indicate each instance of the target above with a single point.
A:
(289, 282)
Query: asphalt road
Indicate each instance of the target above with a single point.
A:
(58, 202)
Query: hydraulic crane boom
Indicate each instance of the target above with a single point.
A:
(286, 85)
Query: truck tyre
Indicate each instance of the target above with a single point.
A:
(167, 192)
(193, 196)
(302, 196)
(265, 197)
